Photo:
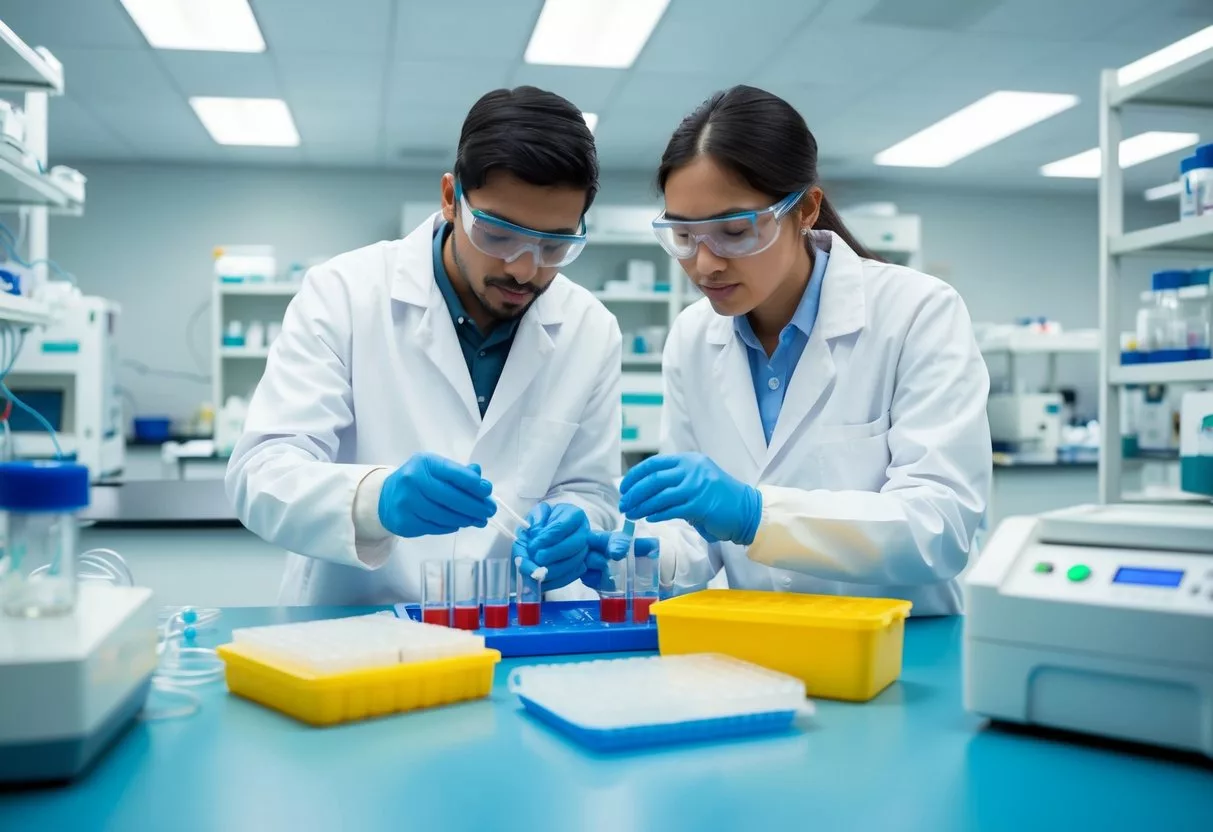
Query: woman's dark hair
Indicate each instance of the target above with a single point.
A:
(762, 139)
(534, 134)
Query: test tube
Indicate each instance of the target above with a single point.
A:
(465, 592)
(435, 599)
(646, 580)
(497, 573)
(613, 592)
(530, 595)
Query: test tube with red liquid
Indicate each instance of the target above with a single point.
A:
(497, 573)
(435, 596)
(530, 596)
(646, 578)
(613, 592)
(465, 593)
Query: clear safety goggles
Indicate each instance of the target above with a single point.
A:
(733, 235)
(503, 240)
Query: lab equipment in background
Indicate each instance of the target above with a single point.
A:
(896, 238)
(659, 700)
(1097, 619)
(245, 264)
(12, 124)
(646, 578)
(233, 334)
(67, 371)
(1196, 444)
(73, 684)
(642, 400)
(70, 181)
(606, 223)
(230, 424)
(435, 592)
(497, 573)
(1189, 202)
(1027, 425)
(272, 331)
(465, 593)
(38, 506)
(842, 648)
(153, 428)
(1130, 404)
(331, 671)
(1196, 183)
(1157, 420)
(642, 275)
(254, 336)
(530, 597)
(1173, 322)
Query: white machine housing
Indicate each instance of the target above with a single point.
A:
(1096, 619)
(71, 684)
(1026, 424)
(75, 357)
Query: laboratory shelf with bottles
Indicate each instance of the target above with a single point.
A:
(1155, 356)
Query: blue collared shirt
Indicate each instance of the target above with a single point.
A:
(485, 354)
(772, 375)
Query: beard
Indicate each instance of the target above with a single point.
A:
(500, 311)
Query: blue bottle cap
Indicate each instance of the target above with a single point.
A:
(1170, 279)
(1187, 164)
(1204, 156)
(43, 486)
(1200, 277)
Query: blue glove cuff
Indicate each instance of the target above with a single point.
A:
(752, 512)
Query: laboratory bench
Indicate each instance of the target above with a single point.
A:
(911, 759)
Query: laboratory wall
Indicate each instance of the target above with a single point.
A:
(149, 231)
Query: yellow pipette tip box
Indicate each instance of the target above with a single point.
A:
(331, 699)
(843, 648)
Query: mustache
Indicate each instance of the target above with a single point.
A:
(511, 285)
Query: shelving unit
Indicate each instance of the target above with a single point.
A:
(235, 371)
(280, 289)
(1188, 85)
(23, 184)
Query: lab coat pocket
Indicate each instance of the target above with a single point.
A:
(824, 434)
(541, 447)
(853, 457)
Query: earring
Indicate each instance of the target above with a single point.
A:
(804, 232)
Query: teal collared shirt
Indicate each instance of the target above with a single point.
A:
(772, 375)
(485, 354)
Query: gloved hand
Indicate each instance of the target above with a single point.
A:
(558, 540)
(693, 488)
(430, 494)
(609, 546)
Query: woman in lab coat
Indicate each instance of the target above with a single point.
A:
(825, 413)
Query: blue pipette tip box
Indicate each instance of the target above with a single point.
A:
(565, 627)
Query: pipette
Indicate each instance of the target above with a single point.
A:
(518, 518)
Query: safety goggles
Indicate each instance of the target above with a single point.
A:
(503, 240)
(734, 235)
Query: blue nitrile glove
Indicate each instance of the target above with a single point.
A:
(558, 539)
(608, 546)
(430, 494)
(693, 488)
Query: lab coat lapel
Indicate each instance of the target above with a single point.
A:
(840, 313)
(531, 350)
(734, 384)
(434, 333)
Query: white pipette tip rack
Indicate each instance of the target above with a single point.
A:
(627, 703)
(342, 645)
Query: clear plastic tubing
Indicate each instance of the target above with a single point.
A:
(38, 506)
(465, 593)
(435, 592)
(497, 573)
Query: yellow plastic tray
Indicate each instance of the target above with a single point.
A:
(843, 648)
(361, 694)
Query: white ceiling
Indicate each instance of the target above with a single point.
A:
(386, 83)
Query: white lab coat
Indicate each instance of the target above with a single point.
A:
(368, 371)
(879, 468)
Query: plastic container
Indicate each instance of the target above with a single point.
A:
(1201, 177)
(38, 505)
(153, 428)
(842, 648)
(1188, 200)
(1162, 330)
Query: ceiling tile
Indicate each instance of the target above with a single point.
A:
(56, 24)
(331, 76)
(352, 26)
(336, 121)
(102, 75)
(76, 134)
(589, 89)
(243, 75)
(884, 52)
(448, 85)
(471, 29)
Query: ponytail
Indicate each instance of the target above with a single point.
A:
(829, 220)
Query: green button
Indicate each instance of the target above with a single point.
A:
(1079, 573)
(1044, 568)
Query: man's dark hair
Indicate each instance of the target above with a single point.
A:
(533, 134)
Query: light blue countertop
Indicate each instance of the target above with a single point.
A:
(911, 759)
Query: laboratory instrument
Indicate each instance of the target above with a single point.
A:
(68, 372)
(245, 264)
(646, 577)
(1096, 619)
(1196, 443)
(233, 334)
(1027, 425)
(465, 593)
(497, 574)
(72, 684)
(841, 647)
(530, 597)
(435, 592)
(330, 671)
(38, 506)
(657, 700)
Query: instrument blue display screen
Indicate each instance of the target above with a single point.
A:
(1148, 577)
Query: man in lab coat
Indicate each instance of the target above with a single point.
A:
(419, 383)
